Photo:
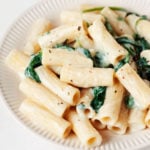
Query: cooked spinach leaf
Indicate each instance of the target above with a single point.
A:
(100, 60)
(134, 47)
(109, 28)
(128, 44)
(122, 62)
(34, 62)
(143, 68)
(69, 48)
(100, 8)
(143, 44)
(129, 102)
(84, 51)
(99, 97)
(30, 73)
(126, 40)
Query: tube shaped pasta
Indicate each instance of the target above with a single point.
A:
(84, 130)
(59, 35)
(66, 92)
(45, 119)
(87, 77)
(105, 43)
(97, 123)
(109, 112)
(135, 85)
(55, 69)
(17, 61)
(61, 57)
(142, 27)
(120, 126)
(38, 28)
(121, 13)
(83, 39)
(83, 108)
(132, 19)
(136, 120)
(118, 23)
(146, 54)
(43, 97)
(147, 119)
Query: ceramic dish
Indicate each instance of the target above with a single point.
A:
(14, 38)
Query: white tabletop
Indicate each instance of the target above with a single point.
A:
(14, 135)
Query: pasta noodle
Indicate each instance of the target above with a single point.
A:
(136, 120)
(61, 57)
(146, 54)
(58, 35)
(44, 97)
(117, 22)
(66, 92)
(140, 25)
(121, 125)
(87, 77)
(45, 119)
(135, 85)
(147, 119)
(84, 130)
(17, 61)
(109, 112)
(38, 28)
(113, 51)
(83, 108)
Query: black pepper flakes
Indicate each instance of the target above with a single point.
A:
(79, 28)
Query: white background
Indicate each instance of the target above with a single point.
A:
(13, 135)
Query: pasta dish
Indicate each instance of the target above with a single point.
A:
(90, 73)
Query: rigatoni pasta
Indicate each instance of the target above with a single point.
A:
(135, 85)
(38, 28)
(147, 119)
(17, 61)
(113, 51)
(83, 108)
(117, 22)
(60, 57)
(87, 77)
(84, 130)
(88, 74)
(109, 112)
(44, 97)
(136, 120)
(45, 120)
(120, 126)
(142, 26)
(59, 35)
(66, 92)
